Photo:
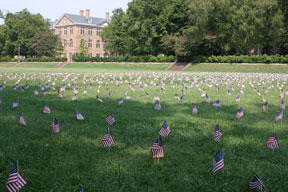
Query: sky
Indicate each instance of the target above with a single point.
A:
(54, 9)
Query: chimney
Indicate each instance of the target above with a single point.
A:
(107, 16)
(87, 13)
(81, 12)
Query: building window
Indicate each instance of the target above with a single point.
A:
(82, 31)
(65, 43)
(71, 31)
(65, 55)
(98, 44)
(98, 32)
(106, 55)
(97, 55)
(59, 31)
(104, 44)
(71, 43)
(90, 43)
(89, 31)
(65, 31)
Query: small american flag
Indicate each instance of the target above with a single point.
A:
(15, 104)
(110, 119)
(194, 109)
(182, 99)
(256, 183)
(237, 99)
(207, 99)
(265, 106)
(282, 105)
(164, 131)
(74, 97)
(59, 94)
(279, 116)
(217, 133)
(79, 116)
(147, 95)
(218, 162)
(21, 120)
(176, 96)
(81, 189)
(120, 101)
(46, 110)
(35, 91)
(272, 142)
(157, 105)
(107, 140)
(55, 126)
(98, 99)
(158, 149)
(156, 97)
(217, 104)
(239, 113)
(15, 181)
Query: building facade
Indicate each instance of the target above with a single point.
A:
(76, 29)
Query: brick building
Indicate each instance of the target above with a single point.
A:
(74, 29)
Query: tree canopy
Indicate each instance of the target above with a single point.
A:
(197, 27)
(25, 30)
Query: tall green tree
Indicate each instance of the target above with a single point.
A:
(46, 44)
(21, 28)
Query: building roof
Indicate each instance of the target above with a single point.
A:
(82, 20)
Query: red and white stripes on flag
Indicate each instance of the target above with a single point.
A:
(164, 131)
(256, 183)
(107, 140)
(110, 119)
(218, 162)
(21, 120)
(15, 181)
(157, 149)
(46, 110)
(272, 142)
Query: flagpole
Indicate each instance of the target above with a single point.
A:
(17, 177)
(158, 151)
(261, 183)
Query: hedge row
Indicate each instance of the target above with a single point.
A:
(46, 59)
(36, 59)
(160, 59)
(242, 59)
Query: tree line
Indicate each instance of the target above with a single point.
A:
(30, 34)
(195, 27)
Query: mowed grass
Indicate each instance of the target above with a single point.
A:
(75, 156)
(249, 68)
(118, 67)
(37, 65)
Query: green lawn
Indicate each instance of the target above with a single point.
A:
(238, 68)
(37, 65)
(61, 162)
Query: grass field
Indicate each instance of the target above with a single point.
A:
(61, 162)
(238, 68)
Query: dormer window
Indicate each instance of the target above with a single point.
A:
(90, 21)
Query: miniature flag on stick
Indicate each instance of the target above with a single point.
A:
(279, 116)
(79, 116)
(81, 189)
(217, 133)
(265, 106)
(15, 104)
(158, 149)
(15, 181)
(182, 99)
(217, 103)
(21, 120)
(157, 105)
(120, 101)
(207, 99)
(218, 161)
(272, 142)
(194, 109)
(35, 91)
(98, 99)
(46, 109)
(239, 113)
(55, 127)
(282, 105)
(164, 131)
(256, 183)
(107, 140)
(110, 119)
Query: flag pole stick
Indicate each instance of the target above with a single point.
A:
(17, 176)
(261, 183)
